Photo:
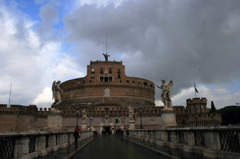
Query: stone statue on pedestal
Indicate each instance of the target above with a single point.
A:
(91, 123)
(131, 114)
(84, 116)
(165, 95)
(57, 93)
(122, 120)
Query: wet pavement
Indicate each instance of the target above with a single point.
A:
(172, 152)
(62, 153)
(111, 146)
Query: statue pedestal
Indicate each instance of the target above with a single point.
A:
(168, 117)
(54, 119)
(131, 125)
(122, 127)
(84, 126)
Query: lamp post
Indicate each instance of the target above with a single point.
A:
(140, 110)
(77, 120)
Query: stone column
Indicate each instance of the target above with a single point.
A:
(163, 138)
(189, 140)
(21, 147)
(52, 142)
(40, 145)
(212, 143)
(173, 143)
(152, 136)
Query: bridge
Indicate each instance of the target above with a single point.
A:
(199, 143)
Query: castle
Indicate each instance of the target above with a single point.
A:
(106, 94)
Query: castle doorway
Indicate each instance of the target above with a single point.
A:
(106, 130)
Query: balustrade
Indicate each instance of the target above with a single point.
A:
(218, 142)
(34, 144)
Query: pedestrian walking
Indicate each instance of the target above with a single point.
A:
(76, 137)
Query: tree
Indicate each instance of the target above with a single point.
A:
(230, 115)
(213, 109)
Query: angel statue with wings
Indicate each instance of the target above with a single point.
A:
(165, 95)
(57, 93)
(106, 56)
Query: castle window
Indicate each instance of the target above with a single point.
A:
(119, 71)
(133, 81)
(101, 79)
(78, 82)
(145, 83)
(92, 75)
(106, 79)
(101, 71)
(127, 81)
(110, 70)
(110, 79)
(90, 81)
(119, 76)
(93, 70)
(151, 85)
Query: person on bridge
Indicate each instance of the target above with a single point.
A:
(127, 132)
(121, 132)
(76, 137)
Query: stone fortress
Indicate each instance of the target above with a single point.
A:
(106, 99)
(107, 85)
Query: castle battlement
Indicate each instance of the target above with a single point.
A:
(196, 101)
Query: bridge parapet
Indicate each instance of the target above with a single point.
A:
(32, 144)
(213, 142)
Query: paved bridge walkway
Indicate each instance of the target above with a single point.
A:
(111, 146)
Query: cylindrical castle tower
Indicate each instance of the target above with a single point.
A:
(107, 85)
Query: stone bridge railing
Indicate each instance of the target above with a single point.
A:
(36, 143)
(218, 142)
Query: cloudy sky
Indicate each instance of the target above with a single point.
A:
(185, 41)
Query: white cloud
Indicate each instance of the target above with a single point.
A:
(157, 40)
(99, 3)
(44, 99)
(221, 96)
(29, 63)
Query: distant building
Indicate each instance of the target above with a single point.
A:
(106, 93)
(107, 85)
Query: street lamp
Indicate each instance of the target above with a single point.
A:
(77, 121)
(140, 110)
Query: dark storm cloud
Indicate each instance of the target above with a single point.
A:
(184, 41)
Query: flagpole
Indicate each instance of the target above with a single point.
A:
(10, 96)
(195, 90)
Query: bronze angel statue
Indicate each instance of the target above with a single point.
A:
(57, 93)
(106, 56)
(165, 95)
